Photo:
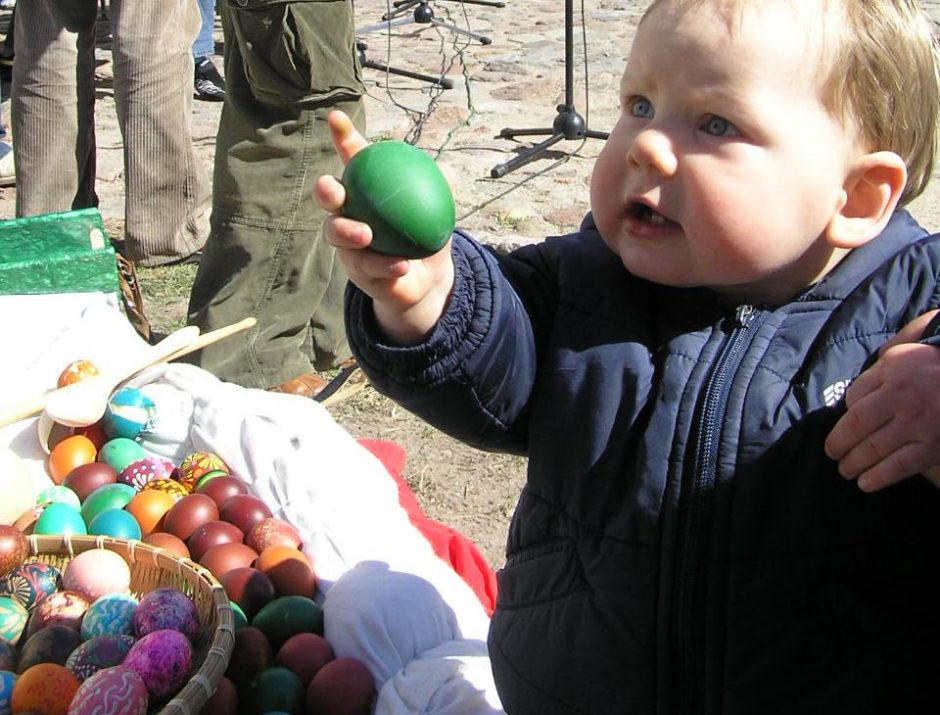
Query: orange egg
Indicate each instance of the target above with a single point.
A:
(174, 544)
(45, 688)
(75, 371)
(71, 452)
(289, 569)
(149, 507)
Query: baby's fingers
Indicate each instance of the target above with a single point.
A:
(346, 138)
(329, 193)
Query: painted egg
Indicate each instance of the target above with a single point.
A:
(111, 691)
(13, 547)
(289, 569)
(109, 496)
(149, 507)
(59, 518)
(17, 491)
(244, 510)
(342, 685)
(129, 413)
(138, 474)
(170, 486)
(166, 609)
(71, 452)
(95, 432)
(7, 683)
(77, 370)
(95, 572)
(251, 653)
(84, 479)
(30, 582)
(98, 653)
(209, 476)
(211, 534)
(413, 215)
(110, 614)
(119, 452)
(272, 532)
(59, 493)
(221, 488)
(275, 689)
(188, 514)
(51, 644)
(162, 659)
(46, 688)
(13, 616)
(224, 699)
(304, 654)
(286, 616)
(7, 656)
(196, 464)
(173, 544)
(238, 616)
(62, 607)
(115, 522)
(249, 588)
(223, 558)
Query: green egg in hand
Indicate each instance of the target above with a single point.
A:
(401, 193)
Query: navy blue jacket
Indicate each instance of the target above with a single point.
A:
(683, 544)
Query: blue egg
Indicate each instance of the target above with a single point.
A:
(60, 518)
(13, 617)
(129, 413)
(110, 614)
(28, 583)
(7, 681)
(115, 522)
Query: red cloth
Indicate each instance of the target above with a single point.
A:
(448, 543)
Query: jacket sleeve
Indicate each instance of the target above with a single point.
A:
(473, 375)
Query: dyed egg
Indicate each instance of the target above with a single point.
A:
(129, 413)
(173, 544)
(244, 510)
(251, 653)
(95, 432)
(62, 607)
(17, 492)
(137, 474)
(249, 588)
(98, 653)
(169, 486)
(166, 609)
(7, 656)
(110, 614)
(71, 452)
(59, 518)
(343, 685)
(46, 688)
(95, 572)
(77, 370)
(304, 654)
(221, 488)
(148, 508)
(224, 699)
(212, 534)
(115, 522)
(275, 689)
(272, 532)
(51, 644)
(59, 493)
(84, 479)
(7, 683)
(208, 477)
(119, 452)
(111, 691)
(13, 616)
(239, 619)
(188, 514)
(196, 464)
(13, 547)
(109, 496)
(162, 659)
(223, 558)
(287, 616)
(30, 582)
(289, 570)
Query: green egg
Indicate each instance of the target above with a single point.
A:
(107, 496)
(401, 193)
(238, 615)
(119, 452)
(286, 616)
(59, 493)
(275, 689)
(60, 518)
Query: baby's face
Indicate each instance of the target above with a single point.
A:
(724, 167)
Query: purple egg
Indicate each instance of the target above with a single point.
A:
(111, 691)
(162, 659)
(166, 608)
(98, 653)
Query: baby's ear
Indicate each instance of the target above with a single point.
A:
(870, 195)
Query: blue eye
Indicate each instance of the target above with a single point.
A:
(640, 107)
(719, 126)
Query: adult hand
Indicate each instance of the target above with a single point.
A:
(891, 428)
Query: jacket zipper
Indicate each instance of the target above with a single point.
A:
(696, 512)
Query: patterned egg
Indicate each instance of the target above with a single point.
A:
(196, 464)
(166, 609)
(60, 518)
(7, 683)
(110, 614)
(209, 476)
(59, 493)
(115, 522)
(51, 644)
(13, 618)
(119, 452)
(98, 653)
(137, 474)
(65, 607)
(108, 496)
(13, 547)
(75, 371)
(111, 691)
(129, 413)
(46, 688)
(172, 487)
(29, 582)
(95, 572)
(162, 659)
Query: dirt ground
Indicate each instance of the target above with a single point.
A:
(509, 73)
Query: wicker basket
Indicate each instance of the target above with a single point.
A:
(153, 568)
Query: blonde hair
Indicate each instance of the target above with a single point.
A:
(881, 76)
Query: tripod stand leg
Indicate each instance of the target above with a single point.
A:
(507, 133)
(439, 81)
(482, 39)
(526, 156)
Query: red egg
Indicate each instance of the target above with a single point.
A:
(171, 543)
(272, 532)
(343, 686)
(224, 699)
(304, 654)
(188, 514)
(221, 488)
(244, 511)
(85, 478)
(223, 558)
(251, 653)
(249, 588)
(289, 569)
(211, 534)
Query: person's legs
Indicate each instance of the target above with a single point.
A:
(208, 84)
(266, 256)
(52, 106)
(167, 189)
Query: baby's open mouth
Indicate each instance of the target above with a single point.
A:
(646, 214)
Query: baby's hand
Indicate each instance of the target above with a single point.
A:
(409, 296)
(891, 428)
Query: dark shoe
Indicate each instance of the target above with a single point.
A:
(310, 384)
(208, 85)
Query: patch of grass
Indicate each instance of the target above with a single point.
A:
(166, 295)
